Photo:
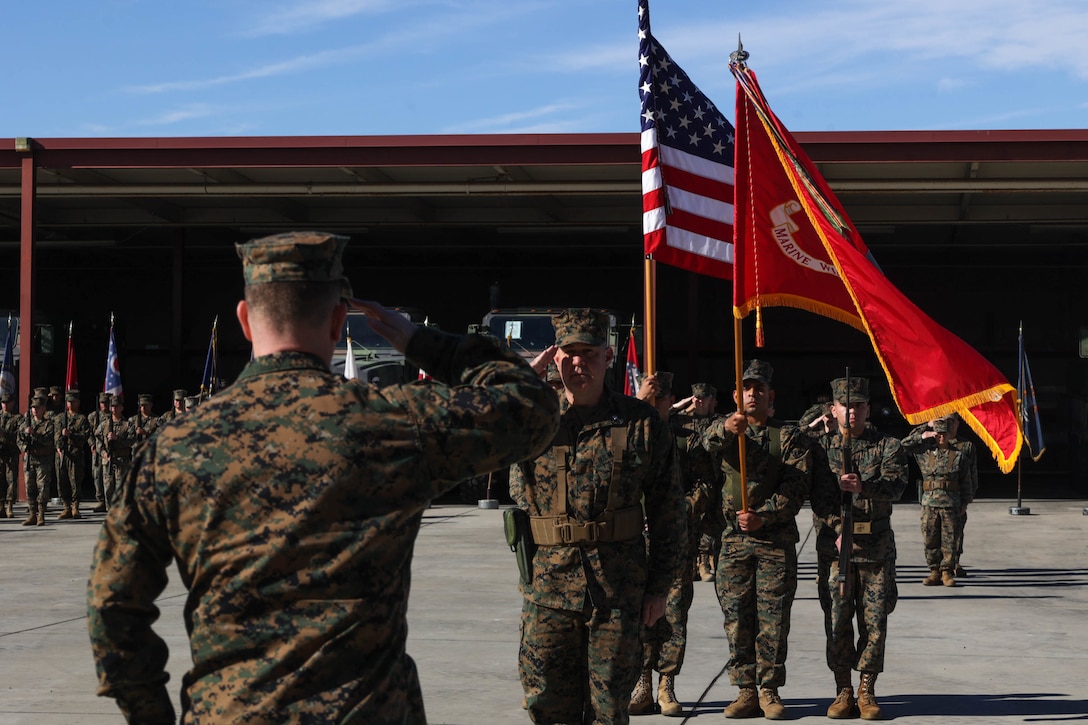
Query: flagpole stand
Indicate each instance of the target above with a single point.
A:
(1019, 509)
(488, 503)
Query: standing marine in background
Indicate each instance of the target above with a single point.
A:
(36, 442)
(73, 431)
(877, 478)
(145, 422)
(10, 422)
(116, 437)
(949, 481)
(756, 578)
(96, 418)
(666, 642)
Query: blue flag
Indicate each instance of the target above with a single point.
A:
(113, 369)
(1029, 407)
(7, 368)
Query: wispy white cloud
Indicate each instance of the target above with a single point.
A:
(951, 85)
(864, 40)
(177, 115)
(288, 18)
(515, 122)
(423, 36)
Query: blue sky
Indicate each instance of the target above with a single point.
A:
(331, 67)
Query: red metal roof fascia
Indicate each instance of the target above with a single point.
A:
(937, 146)
(316, 151)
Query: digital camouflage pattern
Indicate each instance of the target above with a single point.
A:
(71, 460)
(115, 439)
(756, 571)
(95, 418)
(295, 257)
(9, 455)
(597, 590)
(37, 444)
(948, 485)
(665, 643)
(291, 502)
(584, 325)
(881, 466)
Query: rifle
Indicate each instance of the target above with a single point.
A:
(846, 503)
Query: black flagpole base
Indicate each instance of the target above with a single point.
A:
(1019, 511)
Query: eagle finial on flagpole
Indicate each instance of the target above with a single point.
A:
(738, 56)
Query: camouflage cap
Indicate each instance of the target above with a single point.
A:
(859, 390)
(944, 424)
(146, 398)
(7, 398)
(295, 257)
(41, 391)
(704, 390)
(72, 396)
(38, 401)
(191, 401)
(580, 325)
(56, 390)
(180, 394)
(104, 398)
(758, 370)
(117, 399)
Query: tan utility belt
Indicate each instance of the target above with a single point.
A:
(940, 484)
(620, 525)
(865, 528)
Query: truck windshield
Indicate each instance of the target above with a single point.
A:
(526, 333)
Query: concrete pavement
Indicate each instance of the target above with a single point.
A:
(1005, 646)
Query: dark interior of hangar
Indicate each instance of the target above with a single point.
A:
(979, 261)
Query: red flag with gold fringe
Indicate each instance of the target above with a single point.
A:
(796, 247)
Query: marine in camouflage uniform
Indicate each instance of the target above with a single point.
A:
(949, 481)
(879, 479)
(36, 443)
(73, 431)
(756, 578)
(705, 401)
(116, 437)
(145, 422)
(595, 579)
(178, 408)
(291, 502)
(9, 454)
(666, 641)
(96, 418)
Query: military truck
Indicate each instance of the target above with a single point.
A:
(528, 331)
(376, 360)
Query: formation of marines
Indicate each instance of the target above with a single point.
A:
(61, 448)
(834, 458)
(631, 501)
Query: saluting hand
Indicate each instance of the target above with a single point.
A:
(393, 326)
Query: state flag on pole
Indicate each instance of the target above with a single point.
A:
(7, 367)
(631, 371)
(1029, 406)
(71, 377)
(113, 368)
(350, 371)
(930, 371)
(687, 165)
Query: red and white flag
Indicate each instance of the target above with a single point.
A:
(631, 371)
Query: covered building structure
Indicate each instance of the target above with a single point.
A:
(982, 229)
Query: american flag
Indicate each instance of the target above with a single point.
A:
(687, 165)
